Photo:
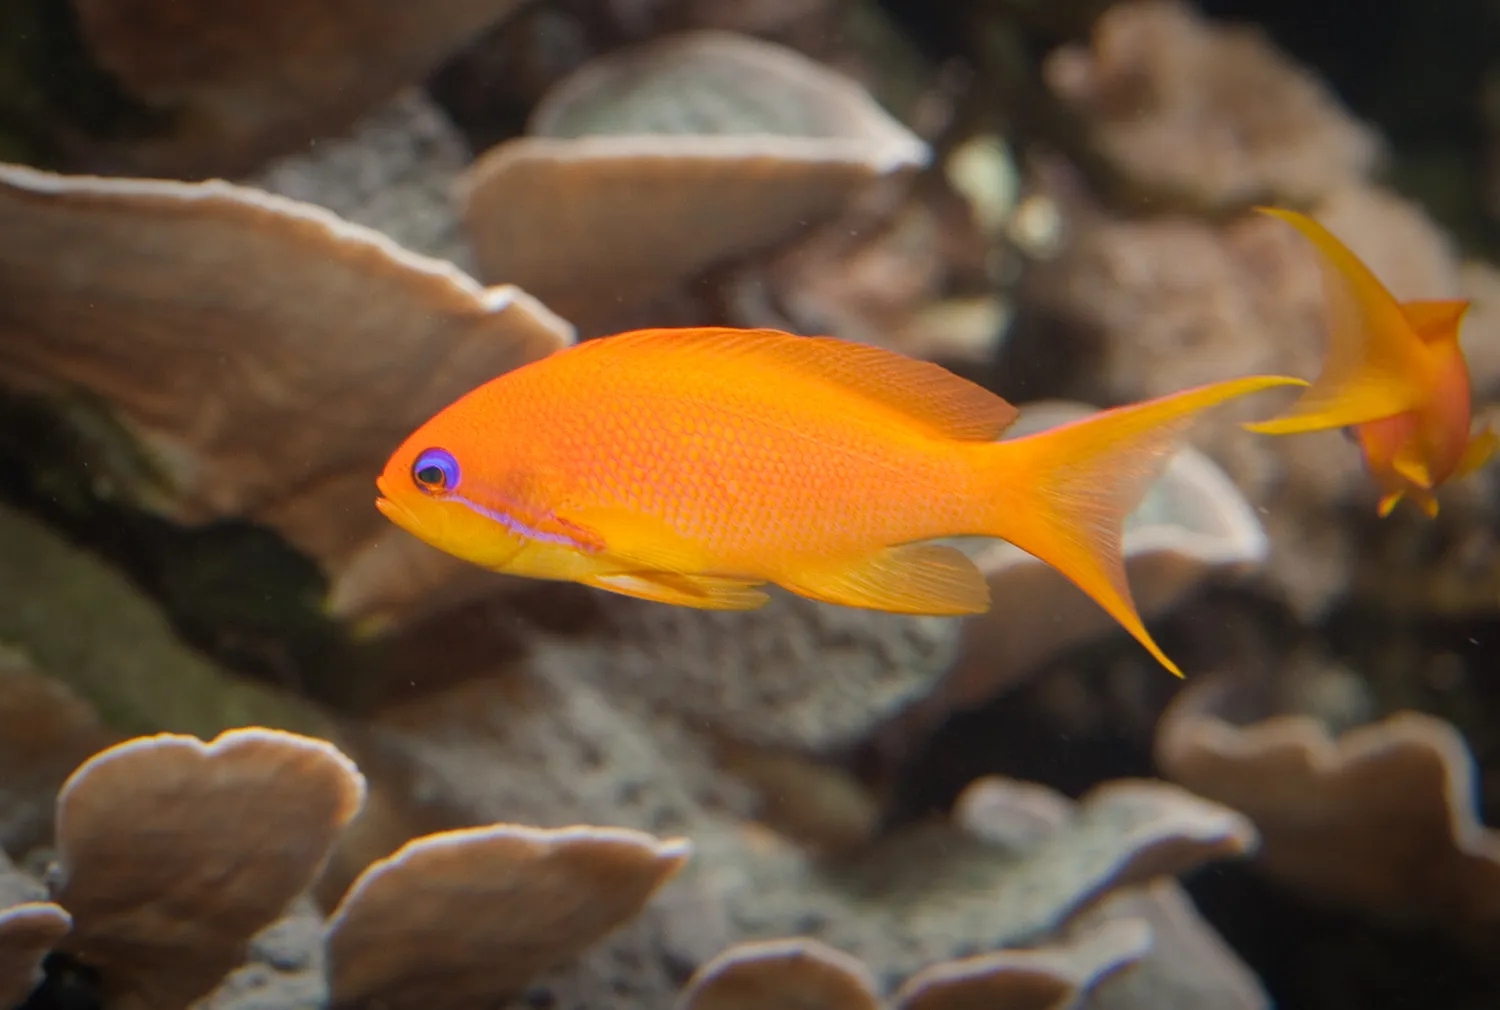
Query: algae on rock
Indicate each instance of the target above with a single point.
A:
(84, 623)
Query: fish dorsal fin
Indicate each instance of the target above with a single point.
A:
(1375, 361)
(1436, 320)
(928, 394)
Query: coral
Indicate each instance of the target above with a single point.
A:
(898, 904)
(1187, 964)
(288, 313)
(1479, 282)
(180, 865)
(647, 167)
(284, 969)
(177, 858)
(796, 974)
(912, 271)
(807, 975)
(1054, 976)
(390, 942)
(45, 732)
(1182, 111)
(1188, 967)
(172, 854)
(796, 673)
(394, 173)
(1381, 817)
(242, 84)
(27, 932)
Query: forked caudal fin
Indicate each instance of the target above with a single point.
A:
(1375, 364)
(1062, 494)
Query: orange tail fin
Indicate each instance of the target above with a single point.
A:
(1063, 494)
(1376, 362)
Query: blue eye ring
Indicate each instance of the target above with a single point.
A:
(435, 471)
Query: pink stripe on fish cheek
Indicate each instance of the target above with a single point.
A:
(521, 529)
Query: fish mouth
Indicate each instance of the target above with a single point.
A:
(394, 510)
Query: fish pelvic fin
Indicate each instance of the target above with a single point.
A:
(1377, 363)
(1421, 497)
(927, 579)
(1062, 495)
(701, 592)
(1477, 453)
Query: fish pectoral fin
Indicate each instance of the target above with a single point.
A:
(928, 579)
(1477, 453)
(637, 540)
(703, 592)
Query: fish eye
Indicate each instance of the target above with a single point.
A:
(435, 471)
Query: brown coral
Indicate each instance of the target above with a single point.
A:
(1047, 978)
(649, 166)
(391, 941)
(45, 732)
(173, 853)
(1205, 115)
(27, 933)
(246, 82)
(300, 349)
(794, 974)
(527, 897)
(174, 856)
(1381, 818)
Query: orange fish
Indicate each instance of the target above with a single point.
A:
(691, 466)
(1394, 373)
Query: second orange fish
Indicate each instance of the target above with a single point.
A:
(1394, 373)
(692, 466)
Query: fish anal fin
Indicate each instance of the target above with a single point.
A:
(1388, 503)
(1478, 452)
(1376, 364)
(701, 592)
(928, 579)
(1425, 500)
(1438, 319)
(928, 394)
